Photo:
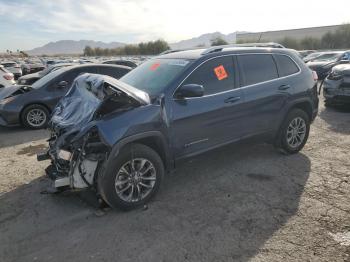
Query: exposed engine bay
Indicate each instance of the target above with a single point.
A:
(76, 149)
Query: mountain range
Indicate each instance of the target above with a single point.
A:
(77, 47)
(70, 47)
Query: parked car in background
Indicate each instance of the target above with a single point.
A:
(31, 78)
(50, 62)
(304, 53)
(32, 67)
(6, 78)
(121, 62)
(312, 56)
(324, 63)
(31, 105)
(173, 107)
(14, 68)
(336, 87)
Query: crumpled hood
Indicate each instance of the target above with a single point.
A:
(11, 90)
(86, 96)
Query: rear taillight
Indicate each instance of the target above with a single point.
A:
(314, 75)
(8, 76)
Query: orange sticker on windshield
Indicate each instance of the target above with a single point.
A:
(220, 72)
(154, 66)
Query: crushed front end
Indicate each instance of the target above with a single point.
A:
(76, 149)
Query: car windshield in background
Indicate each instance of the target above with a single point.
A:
(9, 64)
(313, 55)
(154, 75)
(328, 57)
(47, 78)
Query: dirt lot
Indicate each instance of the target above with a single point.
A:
(239, 203)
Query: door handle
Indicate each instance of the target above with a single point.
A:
(283, 87)
(232, 99)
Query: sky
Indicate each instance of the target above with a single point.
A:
(25, 24)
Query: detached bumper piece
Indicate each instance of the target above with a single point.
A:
(43, 156)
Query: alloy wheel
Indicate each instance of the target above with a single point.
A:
(135, 180)
(36, 117)
(296, 132)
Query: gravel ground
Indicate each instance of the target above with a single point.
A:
(238, 203)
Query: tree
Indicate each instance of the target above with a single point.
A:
(149, 48)
(24, 54)
(290, 42)
(88, 51)
(218, 41)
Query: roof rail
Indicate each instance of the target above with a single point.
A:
(169, 51)
(219, 48)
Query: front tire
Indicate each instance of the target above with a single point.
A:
(294, 132)
(131, 178)
(35, 117)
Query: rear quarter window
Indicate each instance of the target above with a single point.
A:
(257, 68)
(286, 66)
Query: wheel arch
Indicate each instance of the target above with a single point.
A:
(152, 139)
(304, 105)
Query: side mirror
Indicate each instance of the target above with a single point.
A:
(190, 90)
(344, 61)
(62, 84)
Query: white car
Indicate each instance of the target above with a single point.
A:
(6, 77)
(14, 68)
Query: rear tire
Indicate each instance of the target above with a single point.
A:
(124, 183)
(294, 132)
(35, 116)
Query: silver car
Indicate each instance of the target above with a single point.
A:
(6, 77)
(14, 68)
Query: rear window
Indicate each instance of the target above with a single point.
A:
(257, 68)
(286, 66)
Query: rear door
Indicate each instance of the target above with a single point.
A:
(200, 123)
(266, 90)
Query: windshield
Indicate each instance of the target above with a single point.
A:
(154, 75)
(47, 78)
(328, 57)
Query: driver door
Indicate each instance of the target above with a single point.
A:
(201, 123)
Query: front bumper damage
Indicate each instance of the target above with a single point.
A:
(77, 147)
(75, 165)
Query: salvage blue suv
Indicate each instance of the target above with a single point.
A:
(119, 137)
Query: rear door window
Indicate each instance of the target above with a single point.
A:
(286, 66)
(113, 71)
(79, 71)
(215, 75)
(257, 68)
